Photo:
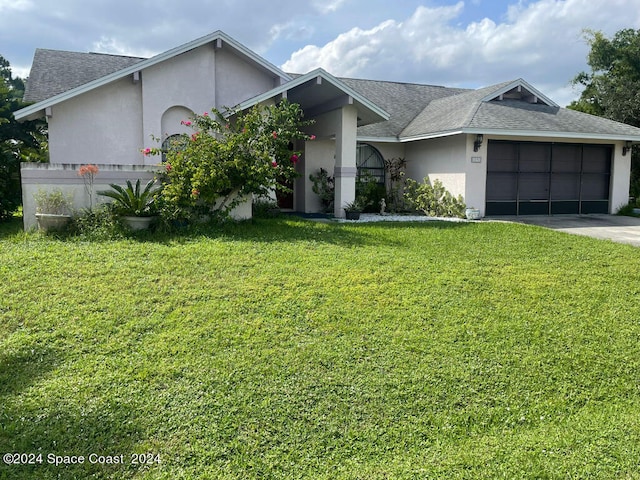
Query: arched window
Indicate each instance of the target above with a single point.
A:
(171, 142)
(370, 163)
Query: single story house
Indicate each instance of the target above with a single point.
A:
(506, 148)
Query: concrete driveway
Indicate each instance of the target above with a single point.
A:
(611, 227)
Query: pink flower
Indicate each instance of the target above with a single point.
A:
(186, 122)
(195, 192)
(294, 158)
(194, 137)
(274, 134)
(205, 114)
(312, 137)
(274, 164)
(147, 151)
(168, 167)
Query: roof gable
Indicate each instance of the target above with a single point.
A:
(519, 90)
(217, 38)
(329, 93)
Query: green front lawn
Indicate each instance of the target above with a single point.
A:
(292, 349)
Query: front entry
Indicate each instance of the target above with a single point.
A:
(531, 178)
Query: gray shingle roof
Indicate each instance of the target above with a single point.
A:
(450, 113)
(516, 115)
(416, 110)
(56, 71)
(403, 102)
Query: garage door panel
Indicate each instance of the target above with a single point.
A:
(595, 187)
(547, 178)
(502, 186)
(535, 157)
(534, 186)
(565, 186)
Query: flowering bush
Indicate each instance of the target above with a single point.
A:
(228, 159)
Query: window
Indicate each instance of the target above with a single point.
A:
(172, 141)
(370, 163)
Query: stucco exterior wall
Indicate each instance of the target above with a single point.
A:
(440, 158)
(48, 177)
(102, 126)
(389, 150)
(187, 82)
(237, 80)
(317, 154)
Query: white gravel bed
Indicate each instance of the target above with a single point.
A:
(376, 217)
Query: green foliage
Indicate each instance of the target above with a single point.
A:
(53, 201)
(464, 351)
(355, 206)
(227, 160)
(264, 207)
(396, 170)
(612, 88)
(433, 200)
(324, 187)
(131, 200)
(19, 142)
(97, 224)
(369, 193)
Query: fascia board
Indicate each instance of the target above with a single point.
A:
(525, 133)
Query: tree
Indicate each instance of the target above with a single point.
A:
(226, 160)
(19, 142)
(612, 88)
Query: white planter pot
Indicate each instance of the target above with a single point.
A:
(48, 222)
(138, 223)
(472, 214)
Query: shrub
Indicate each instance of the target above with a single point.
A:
(99, 223)
(10, 191)
(132, 200)
(53, 202)
(264, 207)
(396, 171)
(433, 200)
(324, 187)
(369, 194)
(227, 160)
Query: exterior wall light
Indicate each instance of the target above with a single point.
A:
(626, 147)
(478, 142)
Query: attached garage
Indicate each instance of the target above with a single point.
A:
(536, 178)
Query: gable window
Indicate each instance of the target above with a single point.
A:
(370, 163)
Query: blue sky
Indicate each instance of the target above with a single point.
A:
(470, 43)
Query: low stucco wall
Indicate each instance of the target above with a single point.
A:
(65, 177)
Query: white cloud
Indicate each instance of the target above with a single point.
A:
(18, 5)
(115, 47)
(325, 7)
(539, 41)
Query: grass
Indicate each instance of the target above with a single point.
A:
(290, 349)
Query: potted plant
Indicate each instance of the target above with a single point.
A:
(133, 204)
(352, 210)
(472, 213)
(52, 209)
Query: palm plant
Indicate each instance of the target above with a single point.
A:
(132, 201)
